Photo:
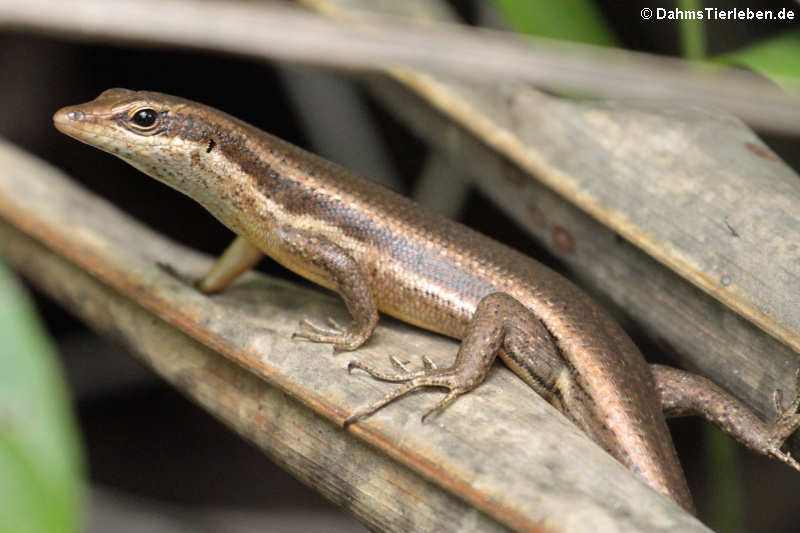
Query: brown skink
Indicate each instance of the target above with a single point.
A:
(382, 252)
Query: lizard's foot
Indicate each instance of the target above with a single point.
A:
(197, 283)
(342, 338)
(404, 373)
(172, 271)
(429, 376)
(788, 422)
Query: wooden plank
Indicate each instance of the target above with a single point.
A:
(695, 189)
(341, 467)
(603, 157)
(278, 32)
(489, 100)
(695, 329)
(527, 467)
(512, 119)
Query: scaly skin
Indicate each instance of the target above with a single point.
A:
(381, 251)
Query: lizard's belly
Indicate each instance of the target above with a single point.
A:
(436, 297)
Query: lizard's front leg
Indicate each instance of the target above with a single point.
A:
(331, 261)
(239, 257)
(321, 255)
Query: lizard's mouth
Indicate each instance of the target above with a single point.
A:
(84, 127)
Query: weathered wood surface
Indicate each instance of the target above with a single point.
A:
(571, 145)
(695, 189)
(343, 468)
(527, 467)
(698, 331)
(277, 31)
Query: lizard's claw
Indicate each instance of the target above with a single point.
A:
(784, 457)
(785, 425)
(397, 363)
(429, 376)
(343, 339)
(404, 374)
(427, 364)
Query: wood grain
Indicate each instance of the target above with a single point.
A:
(527, 467)
(703, 201)
(692, 187)
(699, 332)
(277, 31)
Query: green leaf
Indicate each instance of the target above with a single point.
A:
(777, 58)
(725, 476)
(568, 20)
(41, 468)
(692, 32)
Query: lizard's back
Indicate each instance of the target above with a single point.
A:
(421, 267)
(431, 271)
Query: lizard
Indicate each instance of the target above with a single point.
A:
(382, 252)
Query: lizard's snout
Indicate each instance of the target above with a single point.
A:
(67, 118)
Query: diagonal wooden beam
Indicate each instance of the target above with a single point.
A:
(524, 467)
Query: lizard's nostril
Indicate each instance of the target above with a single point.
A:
(66, 120)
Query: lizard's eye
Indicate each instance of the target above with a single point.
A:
(144, 118)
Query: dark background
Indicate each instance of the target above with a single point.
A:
(152, 455)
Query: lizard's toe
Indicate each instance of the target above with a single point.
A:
(343, 339)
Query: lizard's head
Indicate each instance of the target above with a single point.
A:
(193, 148)
(123, 122)
(161, 135)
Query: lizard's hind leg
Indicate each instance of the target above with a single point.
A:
(683, 393)
(501, 325)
